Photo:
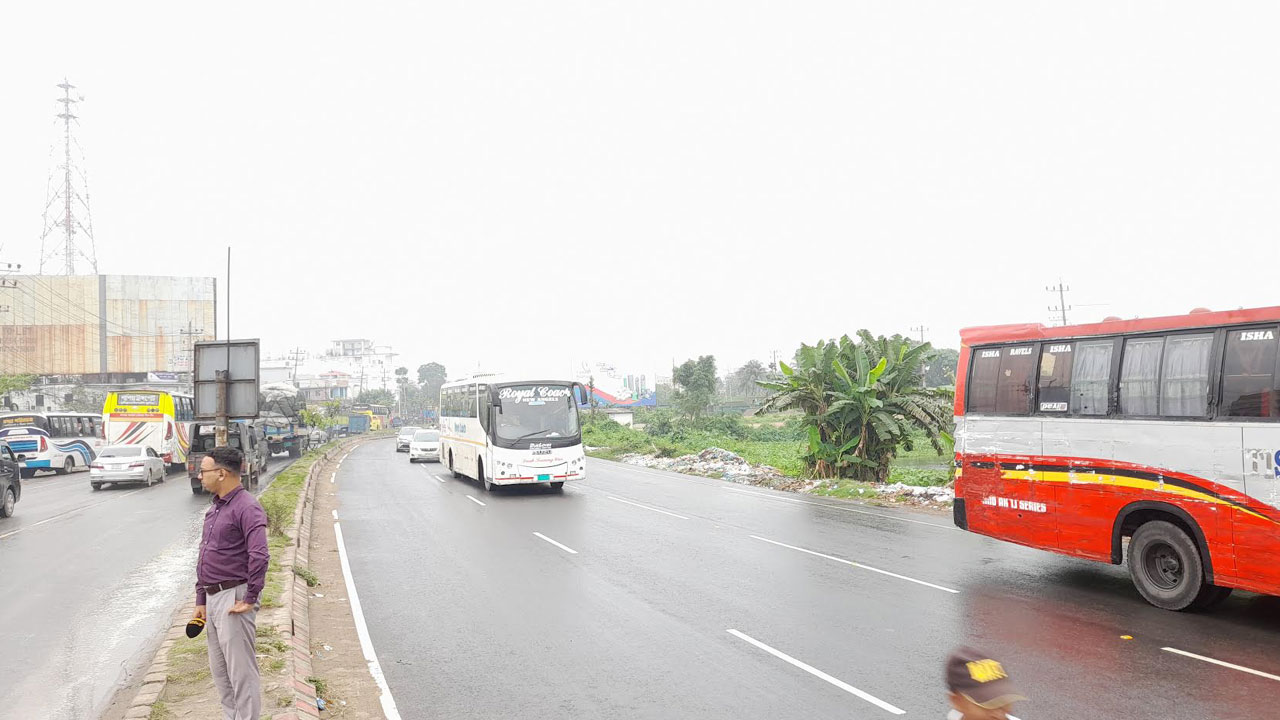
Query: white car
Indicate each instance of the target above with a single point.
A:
(126, 464)
(425, 446)
(404, 437)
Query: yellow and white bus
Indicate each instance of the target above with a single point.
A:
(510, 431)
(57, 441)
(157, 419)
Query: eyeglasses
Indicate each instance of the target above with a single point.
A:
(203, 471)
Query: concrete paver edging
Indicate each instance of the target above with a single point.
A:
(294, 625)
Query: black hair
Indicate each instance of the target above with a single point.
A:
(227, 458)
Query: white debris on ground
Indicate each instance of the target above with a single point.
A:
(720, 463)
(921, 493)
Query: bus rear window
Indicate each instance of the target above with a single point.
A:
(1248, 374)
(1000, 380)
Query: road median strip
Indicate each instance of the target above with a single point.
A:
(179, 671)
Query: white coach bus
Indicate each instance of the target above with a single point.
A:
(510, 431)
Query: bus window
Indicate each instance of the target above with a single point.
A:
(1184, 384)
(1248, 374)
(1055, 378)
(1091, 377)
(1013, 387)
(982, 380)
(1140, 376)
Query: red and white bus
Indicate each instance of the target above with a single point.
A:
(1163, 431)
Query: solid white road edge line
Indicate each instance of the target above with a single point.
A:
(646, 507)
(335, 514)
(846, 509)
(68, 512)
(362, 629)
(1241, 668)
(859, 565)
(819, 674)
(565, 548)
(472, 499)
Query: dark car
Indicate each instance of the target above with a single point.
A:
(10, 481)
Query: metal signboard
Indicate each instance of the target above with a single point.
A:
(239, 360)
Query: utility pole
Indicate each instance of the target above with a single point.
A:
(1062, 307)
(296, 356)
(224, 376)
(69, 199)
(919, 329)
(189, 347)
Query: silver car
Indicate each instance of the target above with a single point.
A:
(425, 446)
(126, 464)
(404, 437)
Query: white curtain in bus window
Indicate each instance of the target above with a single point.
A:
(1185, 385)
(1091, 377)
(1055, 378)
(1248, 374)
(1140, 377)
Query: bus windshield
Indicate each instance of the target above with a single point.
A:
(536, 411)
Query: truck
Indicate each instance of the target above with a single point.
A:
(245, 436)
(285, 434)
(357, 423)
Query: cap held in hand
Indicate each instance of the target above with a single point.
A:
(194, 627)
(981, 679)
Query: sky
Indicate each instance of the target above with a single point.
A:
(508, 184)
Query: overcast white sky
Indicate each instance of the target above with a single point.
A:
(633, 182)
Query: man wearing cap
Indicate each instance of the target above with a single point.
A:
(980, 688)
(230, 573)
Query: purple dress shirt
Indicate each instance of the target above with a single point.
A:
(234, 544)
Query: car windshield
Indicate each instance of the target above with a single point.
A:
(131, 451)
(408, 432)
(536, 411)
(205, 443)
(427, 436)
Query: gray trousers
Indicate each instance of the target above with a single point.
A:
(232, 658)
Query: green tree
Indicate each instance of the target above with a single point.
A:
(862, 402)
(941, 370)
(377, 396)
(16, 383)
(696, 386)
(743, 382)
(431, 376)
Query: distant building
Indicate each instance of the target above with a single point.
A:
(104, 328)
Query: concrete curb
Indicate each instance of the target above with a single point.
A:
(157, 676)
(297, 597)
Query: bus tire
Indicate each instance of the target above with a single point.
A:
(28, 473)
(1211, 596)
(558, 485)
(452, 469)
(67, 466)
(1165, 565)
(484, 479)
(96, 486)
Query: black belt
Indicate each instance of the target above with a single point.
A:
(224, 585)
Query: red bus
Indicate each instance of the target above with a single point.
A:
(1162, 432)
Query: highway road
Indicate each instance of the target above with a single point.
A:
(90, 582)
(646, 594)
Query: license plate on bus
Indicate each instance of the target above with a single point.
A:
(541, 478)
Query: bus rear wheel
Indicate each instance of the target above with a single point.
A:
(28, 473)
(67, 466)
(1164, 563)
(558, 485)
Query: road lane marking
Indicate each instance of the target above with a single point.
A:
(846, 509)
(859, 565)
(472, 499)
(565, 548)
(335, 514)
(646, 507)
(1241, 668)
(68, 512)
(334, 477)
(362, 629)
(819, 674)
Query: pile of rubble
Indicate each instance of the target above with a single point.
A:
(925, 495)
(720, 463)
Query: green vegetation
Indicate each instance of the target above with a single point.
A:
(696, 386)
(862, 402)
(322, 687)
(307, 576)
(159, 711)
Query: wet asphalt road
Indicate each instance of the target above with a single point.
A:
(472, 615)
(90, 581)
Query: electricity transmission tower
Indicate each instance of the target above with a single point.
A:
(66, 209)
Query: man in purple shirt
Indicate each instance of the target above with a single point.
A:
(229, 577)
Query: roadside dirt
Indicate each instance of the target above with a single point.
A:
(337, 660)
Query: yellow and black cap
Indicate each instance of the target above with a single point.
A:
(194, 627)
(981, 679)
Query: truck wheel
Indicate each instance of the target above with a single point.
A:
(1164, 563)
